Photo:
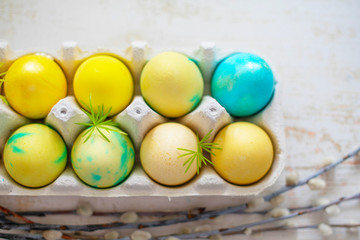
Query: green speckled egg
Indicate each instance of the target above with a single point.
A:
(100, 163)
(35, 155)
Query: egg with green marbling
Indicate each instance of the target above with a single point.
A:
(103, 164)
(171, 84)
(35, 155)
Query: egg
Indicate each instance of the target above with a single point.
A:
(171, 84)
(35, 155)
(243, 84)
(107, 80)
(160, 157)
(103, 164)
(247, 153)
(33, 85)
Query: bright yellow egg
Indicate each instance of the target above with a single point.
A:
(172, 84)
(35, 155)
(247, 153)
(159, 153)
(33, 85)
(107, 80)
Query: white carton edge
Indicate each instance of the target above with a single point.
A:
(138, 183)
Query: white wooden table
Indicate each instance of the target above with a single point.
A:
(314, 45)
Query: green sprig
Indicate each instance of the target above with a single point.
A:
(4, 99)
(99, 122)
(198, 155)
(2, 80)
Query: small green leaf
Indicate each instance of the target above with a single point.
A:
(85, 124)
(111, 123)
(98, 121)
(206, 137)
(190, 159)
(103, 135)
(103, 116)
(89, 133)
(190, 163)
(88, 114)
(121, 132)
(209, 151)
(184, 149)
(202, 145)
(111, 129)
(4, 99)
(105, 122)
(207, 160)
(185, 154)
(1, 75)
(209, 144)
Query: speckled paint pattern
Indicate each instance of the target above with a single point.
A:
(35, 155)
(103, 164)
(243, 84)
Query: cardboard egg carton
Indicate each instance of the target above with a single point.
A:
(137, 119)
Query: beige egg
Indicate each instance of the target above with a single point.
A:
(159, 153)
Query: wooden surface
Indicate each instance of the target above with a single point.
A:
(314, 46)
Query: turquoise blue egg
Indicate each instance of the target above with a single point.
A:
(243, 84)
(103, 164)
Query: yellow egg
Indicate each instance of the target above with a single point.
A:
(33, 85)
(247, 153)
(159, 153)
(171, 84)
(35, 155)
(107, 80)
(100, 163)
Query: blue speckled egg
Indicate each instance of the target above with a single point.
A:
(100, 163)
(243, 84)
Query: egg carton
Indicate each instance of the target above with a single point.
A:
(137, 119)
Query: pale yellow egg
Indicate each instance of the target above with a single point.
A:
(247, 153)
(171, 84)
(35, 155)
(159, 153)
(107, 80)
(33, 85)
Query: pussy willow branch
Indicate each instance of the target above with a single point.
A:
(255, 231)
(285, 228)
(316, 174)
(26, 236)
(14, 214)
(106, 214)
(14, 236)
(140, 214)
(181, 219)
(23, 219)
(242, 228)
